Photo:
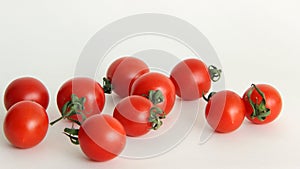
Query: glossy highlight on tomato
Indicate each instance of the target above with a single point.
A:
(26, 124)
(26, 88)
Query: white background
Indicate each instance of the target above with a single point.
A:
(256, 41)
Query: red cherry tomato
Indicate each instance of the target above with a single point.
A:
(225, 111)
(138, 115)
(156, 81)
(101, 137)
(122, 73)
(192, 78)
(26, 124)
(82, 91)
(26, 88)
(266, 103)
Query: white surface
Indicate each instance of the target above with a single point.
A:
(256, 41)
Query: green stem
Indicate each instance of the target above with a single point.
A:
(209, 96)
(73, 107)
(57, 120)
(260, 110)
(155, 96)
(214, 73)
(72, 133)
(156, 114)
(107, 86)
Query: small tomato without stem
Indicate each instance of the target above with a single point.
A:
(26, 88)
(26, 124)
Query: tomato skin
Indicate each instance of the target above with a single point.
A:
(101, 137)
(133, 112)
(225, 111)
(26, 88)
(191, 79)
(26, 124)
(273, 102)
(156, 81)
(82, 87)
(123, 72)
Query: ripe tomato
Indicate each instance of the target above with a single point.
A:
(25, 124)
(138, 115)
(101, 137)
(156, 81)
(265, 103)
(122, 73)
(225, 111)
(192, 78)
(82, 91)
(26, 88)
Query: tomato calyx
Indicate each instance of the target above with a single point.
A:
(260, 110)
(107, 86)
(155, 96)
(214, 73)
(156, 114)
(75, 106)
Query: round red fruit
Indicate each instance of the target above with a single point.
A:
(138, 115)
(191, 79)
(26, 88)
(101, 137)
(80, 94)
(225, 111)
(263, 103)
(122, 73)
(26, 124)
(156, 81)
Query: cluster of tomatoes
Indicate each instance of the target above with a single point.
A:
(147, 99)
